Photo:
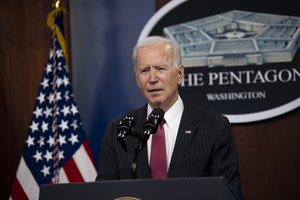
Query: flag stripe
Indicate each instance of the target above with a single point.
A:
(63, 176)
(83, 161)
(18, 192)
(89, 151)
(27, 181)
(72, 171)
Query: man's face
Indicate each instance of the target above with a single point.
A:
(156, 75)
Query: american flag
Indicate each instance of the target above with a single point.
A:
(56, 149)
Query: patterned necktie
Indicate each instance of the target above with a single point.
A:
(158, 157)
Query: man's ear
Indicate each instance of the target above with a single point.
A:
(180, 73)
(137, 80)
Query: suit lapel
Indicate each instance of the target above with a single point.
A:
(186, 131)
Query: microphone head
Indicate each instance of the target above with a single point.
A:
(154, 119)
(125, 128)
(158, 111)
(126, 123)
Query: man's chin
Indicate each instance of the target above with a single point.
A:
(155, 104)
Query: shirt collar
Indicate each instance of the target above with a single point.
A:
(172, 113)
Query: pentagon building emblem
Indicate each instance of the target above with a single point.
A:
(237, 38)
(242, 62)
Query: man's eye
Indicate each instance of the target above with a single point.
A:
(160, 68)
(144, 71)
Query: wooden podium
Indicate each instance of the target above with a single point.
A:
(206, 188)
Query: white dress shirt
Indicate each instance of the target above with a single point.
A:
(172, 117)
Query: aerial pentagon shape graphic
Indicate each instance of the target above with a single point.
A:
(237, 38)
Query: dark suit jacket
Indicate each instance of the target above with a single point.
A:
(204, 147)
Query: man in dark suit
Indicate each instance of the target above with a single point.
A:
(197, 142)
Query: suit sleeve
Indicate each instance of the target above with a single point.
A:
(225, 161)
(107, 161)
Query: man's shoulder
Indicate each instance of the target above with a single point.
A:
(206, 120)
(136, 113)
(200, 112)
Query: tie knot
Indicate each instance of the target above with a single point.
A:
(163, 121)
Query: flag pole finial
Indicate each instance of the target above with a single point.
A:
(56, 3)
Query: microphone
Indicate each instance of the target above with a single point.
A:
(125, 128)
(151, 125)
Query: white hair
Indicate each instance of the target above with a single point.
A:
(154, 40)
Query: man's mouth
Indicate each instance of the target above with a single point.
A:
(154, 90)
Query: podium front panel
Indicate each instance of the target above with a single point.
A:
(207, 188)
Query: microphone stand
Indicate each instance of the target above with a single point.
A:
(142, 142)
(137, 152)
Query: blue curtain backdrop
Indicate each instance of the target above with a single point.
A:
(103, 33)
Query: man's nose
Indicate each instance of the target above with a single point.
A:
(153, 75)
